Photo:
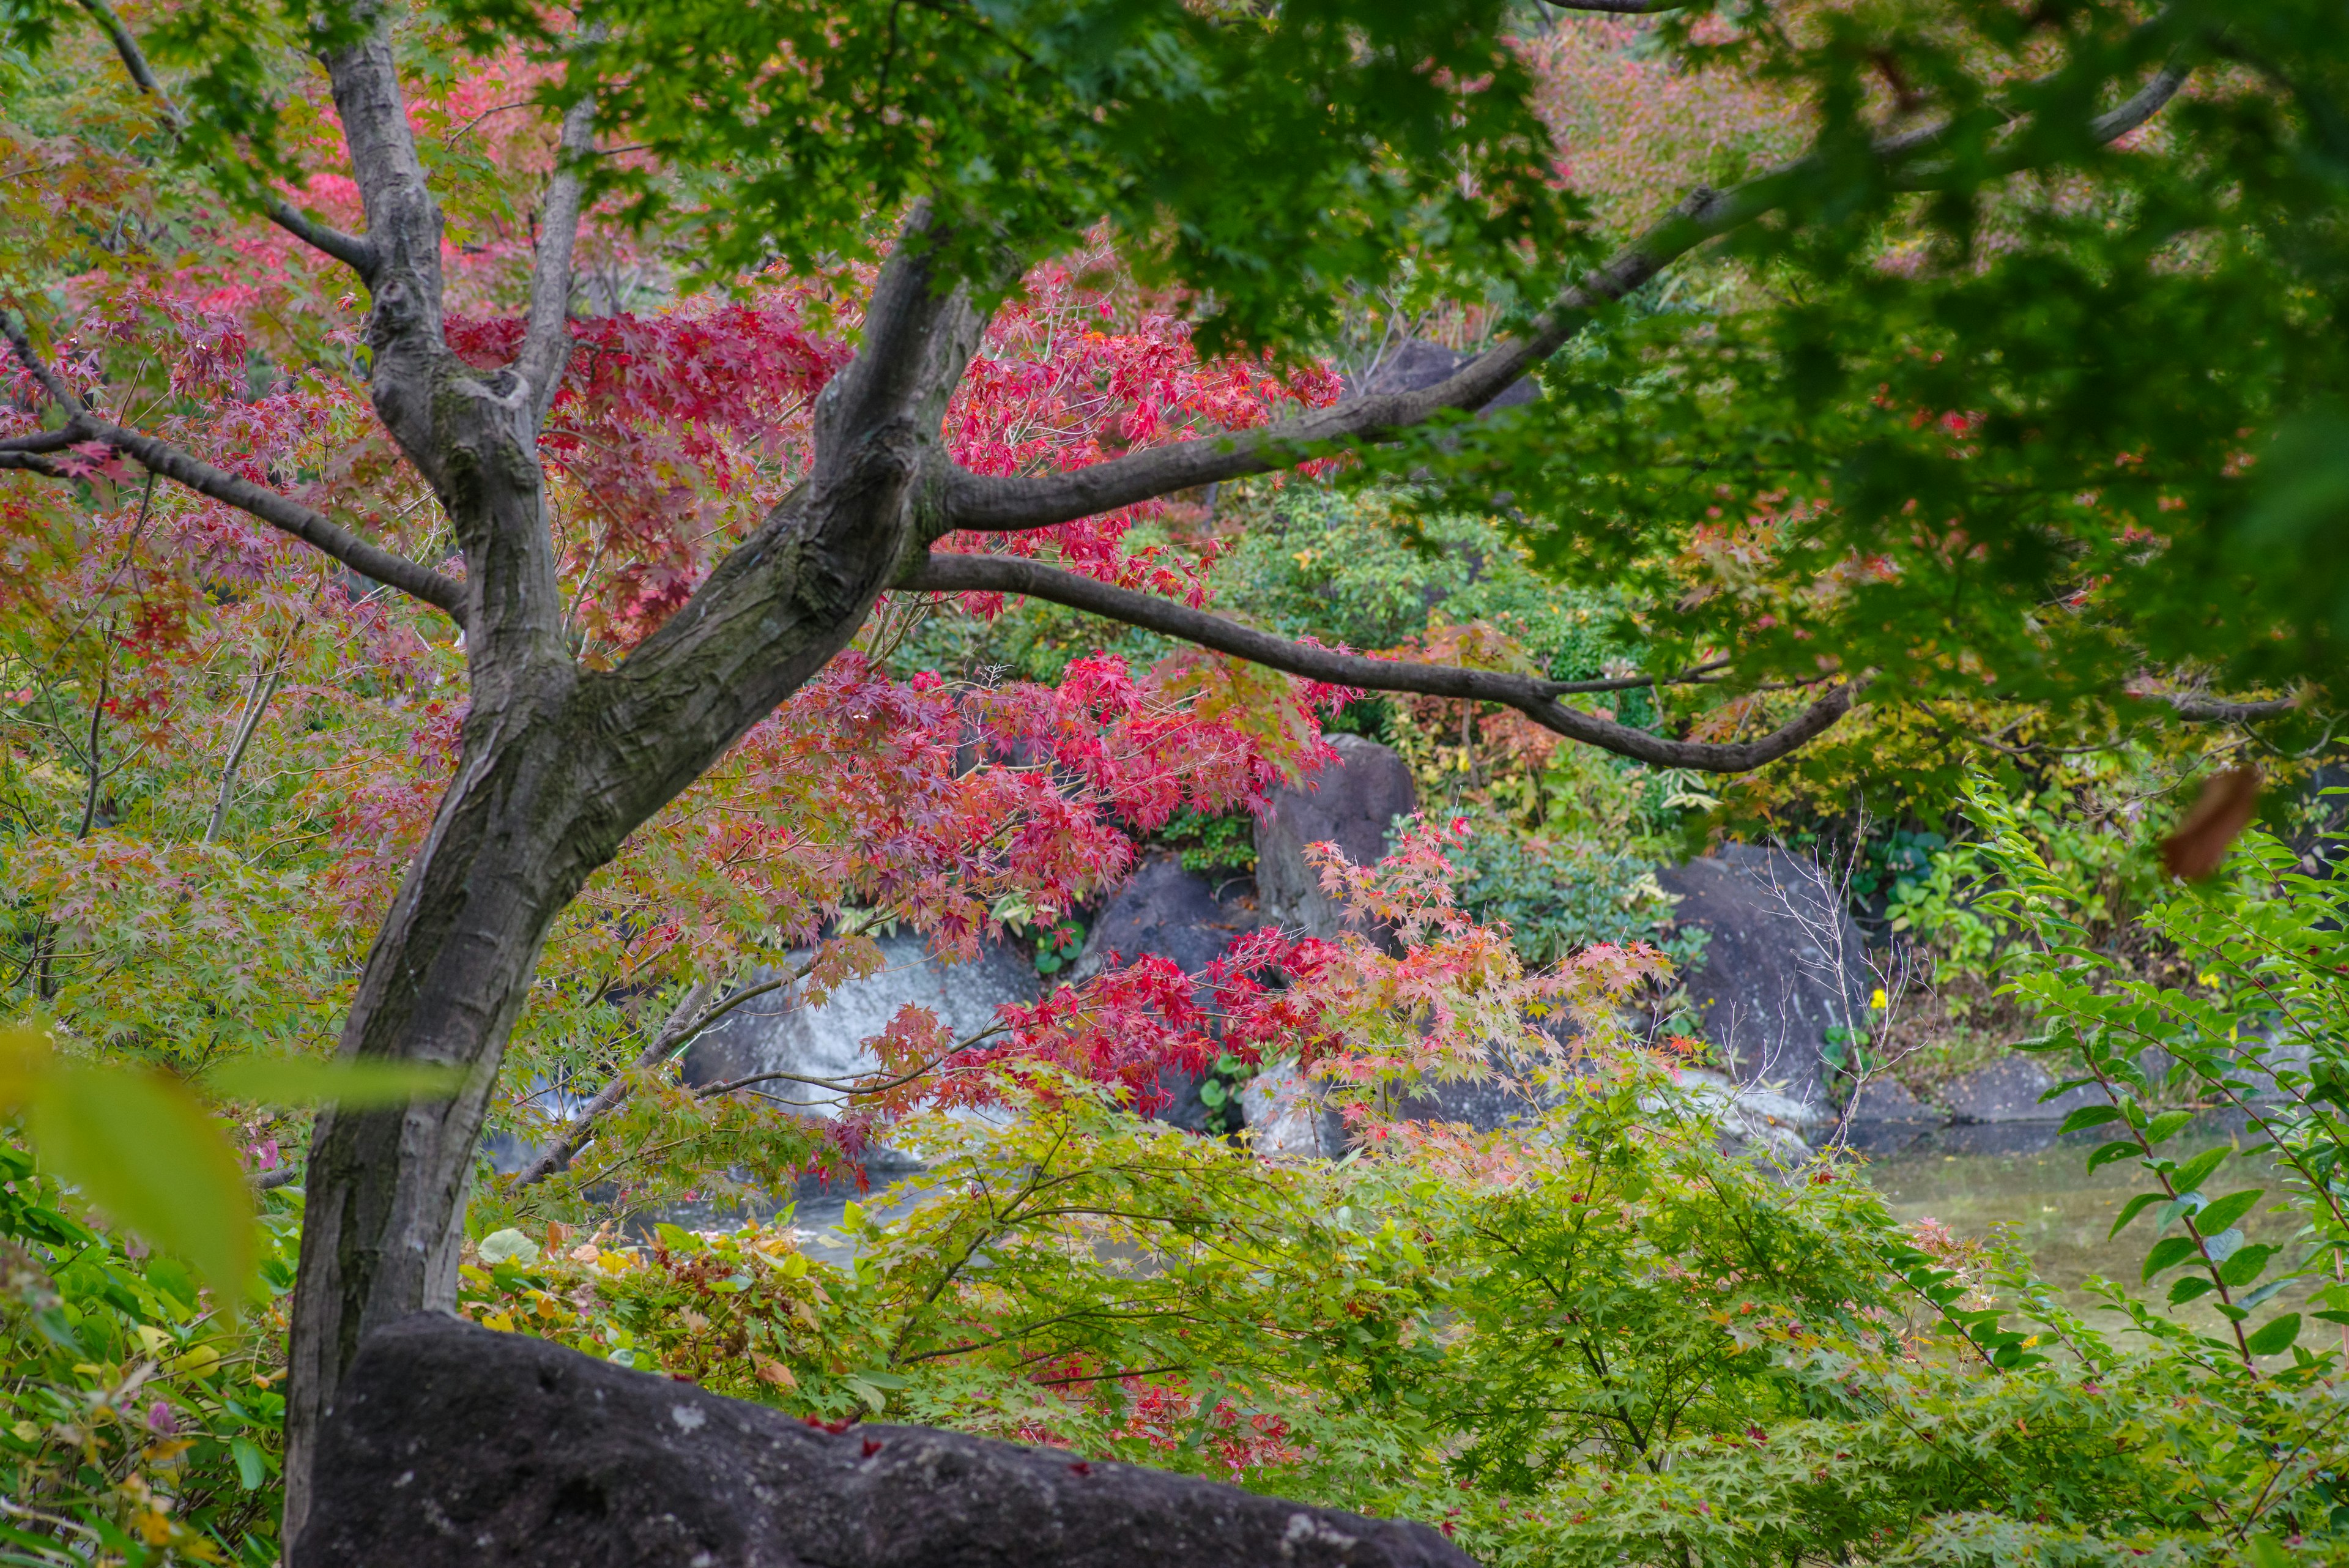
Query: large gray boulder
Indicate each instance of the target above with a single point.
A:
(776, 1033)
(450, 1446)
(1350, 803)
(1169, 912)
(1785, 964)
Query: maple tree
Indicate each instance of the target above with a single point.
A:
(674, 543)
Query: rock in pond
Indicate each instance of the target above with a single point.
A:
(2008, 1090)
(451, 1446)
(1784, 965)
(1887, 1099)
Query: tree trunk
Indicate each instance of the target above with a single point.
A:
(559, 766)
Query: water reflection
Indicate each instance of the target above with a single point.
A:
(1973, 1178)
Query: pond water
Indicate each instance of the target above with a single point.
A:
(1972, 1178)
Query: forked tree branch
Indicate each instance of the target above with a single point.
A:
(992, 504)
(313, 527)
(1538, 699)
(351, 250)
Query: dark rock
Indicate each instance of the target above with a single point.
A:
(451, 1445)
(1168, 912)
(1785, 964)
(2008, 1090)
(1164, 910)
(1882, 1099)
(1350, 803)
(1415, 363)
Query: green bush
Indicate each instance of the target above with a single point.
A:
(1558, 896)
(137, 1423)
(1600, 1341)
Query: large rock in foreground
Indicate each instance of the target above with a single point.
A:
(451, 1445)
(1784, 965)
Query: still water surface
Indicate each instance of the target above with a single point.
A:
(1972, 1178)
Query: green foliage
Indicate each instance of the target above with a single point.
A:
(1362, 570)
(2260, 1031)
(1215, 844)
(137, 1423)
(1560, 897)
(1261, 159)
(1599, 1342)
(141, 1147)
(1057, 947)
(1958, 395)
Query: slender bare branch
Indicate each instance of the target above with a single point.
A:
(684, 1020)
(1694, 675)
(312, 528)
(1538, 699)
(990, 504)
(2210, 710)
(265, 685)
(2141, 107)
(851, 1085)
(546, 341)
(351, 250)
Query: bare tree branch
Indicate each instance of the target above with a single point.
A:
(312, 528)
(990, 504)
(1621, 7)
(2209, 711)
(1538, 699)
(546, 341)
(351, 250)
(2142, 106)
(684, 1020)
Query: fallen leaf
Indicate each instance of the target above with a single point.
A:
(2222, 812)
